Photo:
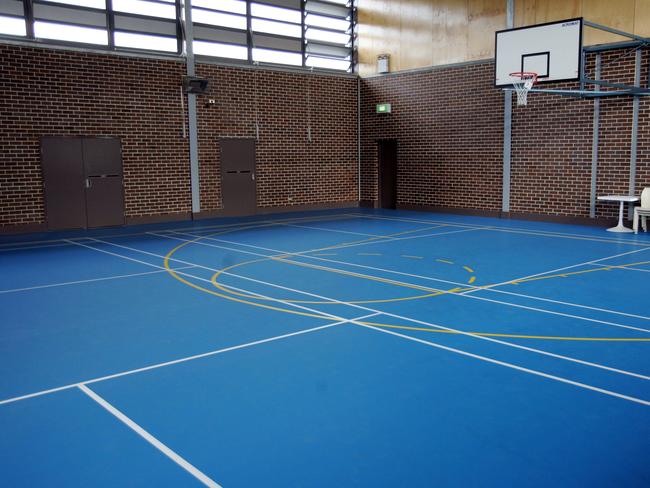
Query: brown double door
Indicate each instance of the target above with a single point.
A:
(238, 187)
(83, 182)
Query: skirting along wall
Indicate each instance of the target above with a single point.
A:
(50, 92)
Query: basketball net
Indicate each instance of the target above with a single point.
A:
(523, 85)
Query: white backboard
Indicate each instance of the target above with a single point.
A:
(552, 50)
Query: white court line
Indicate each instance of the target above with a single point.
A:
(177, 361)
(557, 270)
(327, 248)
(513, 230)
(175, 457)
(338, 231)
(409, 320)
(615, 267)
(91, 280)
(41, 246)
(429, 278)
(509, 365)
(267, 222)
(474, 297)
(360, 307)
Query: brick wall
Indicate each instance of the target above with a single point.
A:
(48, 92)
(45, 92)
(450, 145)
(290, 169)
(448, 121)
(449, 127)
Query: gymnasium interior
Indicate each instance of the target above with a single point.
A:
(324, 243)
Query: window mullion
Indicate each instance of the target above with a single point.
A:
(180, 33)
(249, 31)
(110, 24)
(29, 18)
(302, 37)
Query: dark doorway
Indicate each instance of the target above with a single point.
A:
(82, 177)
(238, 188)
(387, 155)
(64, 182)
(104, 188)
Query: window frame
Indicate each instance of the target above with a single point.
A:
(268, 41)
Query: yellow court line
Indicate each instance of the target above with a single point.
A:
(584, 271)
(225, 288)
(444, 261)
(175, 275)
(370, 239)
(411, 257)
(468, 269)
(472, 280)
(212, 292)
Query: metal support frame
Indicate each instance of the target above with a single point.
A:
(635, 129)
(359, 136)
(611, 30)
(636, 90)
(594, 146)
(507, 147)
(195, 183)
(507, 123)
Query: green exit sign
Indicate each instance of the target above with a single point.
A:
(383, 108)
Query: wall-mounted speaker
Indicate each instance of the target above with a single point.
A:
(193, 84)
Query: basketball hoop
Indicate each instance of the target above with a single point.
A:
(523, 84)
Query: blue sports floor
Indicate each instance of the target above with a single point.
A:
(349, 348)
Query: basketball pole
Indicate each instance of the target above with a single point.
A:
(635, 130)
(191, 111)
(594, 145)
(507, 124)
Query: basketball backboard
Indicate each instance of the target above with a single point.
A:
(552, 50)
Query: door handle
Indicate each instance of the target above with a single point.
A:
(253, 176)
(88, 183)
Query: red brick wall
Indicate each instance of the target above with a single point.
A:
(552, 145)
(449, 126)
(448, 121)
(290, 169)
(48, 92)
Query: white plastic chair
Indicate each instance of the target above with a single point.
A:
(643, 211)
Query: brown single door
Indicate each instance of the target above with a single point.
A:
(387, 154)
(63, 179)
(238, 186)
(104, 188)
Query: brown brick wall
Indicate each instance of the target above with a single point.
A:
(448, 121)
(290, 169)
(449, 126)
(48, 92)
